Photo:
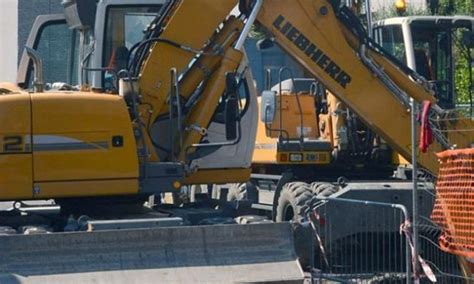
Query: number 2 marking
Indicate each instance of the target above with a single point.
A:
(13, 144)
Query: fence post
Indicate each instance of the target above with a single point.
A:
(415, 187)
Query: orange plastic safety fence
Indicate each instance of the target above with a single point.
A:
(454, 206)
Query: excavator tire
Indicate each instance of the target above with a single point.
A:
(293, 198)
(242, 192)
(324, 189)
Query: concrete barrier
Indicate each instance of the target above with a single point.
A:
(210, 254)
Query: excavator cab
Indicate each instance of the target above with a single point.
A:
(288, 113)
(433, 47)
(124, 28)
(91, 46)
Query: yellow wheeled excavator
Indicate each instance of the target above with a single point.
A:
(311, 135)
(164, 112)
(309, 114)
(151, 136)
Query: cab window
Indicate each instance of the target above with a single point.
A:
(432, 51)
(125, 27)
(391, 39)
(57, 46)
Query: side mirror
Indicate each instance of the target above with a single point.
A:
(468, 39)
(264, 44)
(231, 108)
(268, 107)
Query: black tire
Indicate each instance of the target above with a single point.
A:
(324, 189)
(242, 192)
(291, 203)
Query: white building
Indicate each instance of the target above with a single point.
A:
(8, 40)
(16, 20)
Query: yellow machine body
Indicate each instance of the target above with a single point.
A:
(266, 147)
(57, 145)
(292, 116)
(16, 176)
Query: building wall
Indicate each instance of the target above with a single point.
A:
(28, 10)
(16, 19)
(8, 40)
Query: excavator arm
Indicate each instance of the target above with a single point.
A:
(172, 45)
(189, 69)
(328, 42)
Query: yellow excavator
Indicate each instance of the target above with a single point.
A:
(309, 117)
(151, 136)
(310, 138)
(166, 111)
(333, 141)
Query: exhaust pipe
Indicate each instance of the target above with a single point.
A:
(38, 81)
